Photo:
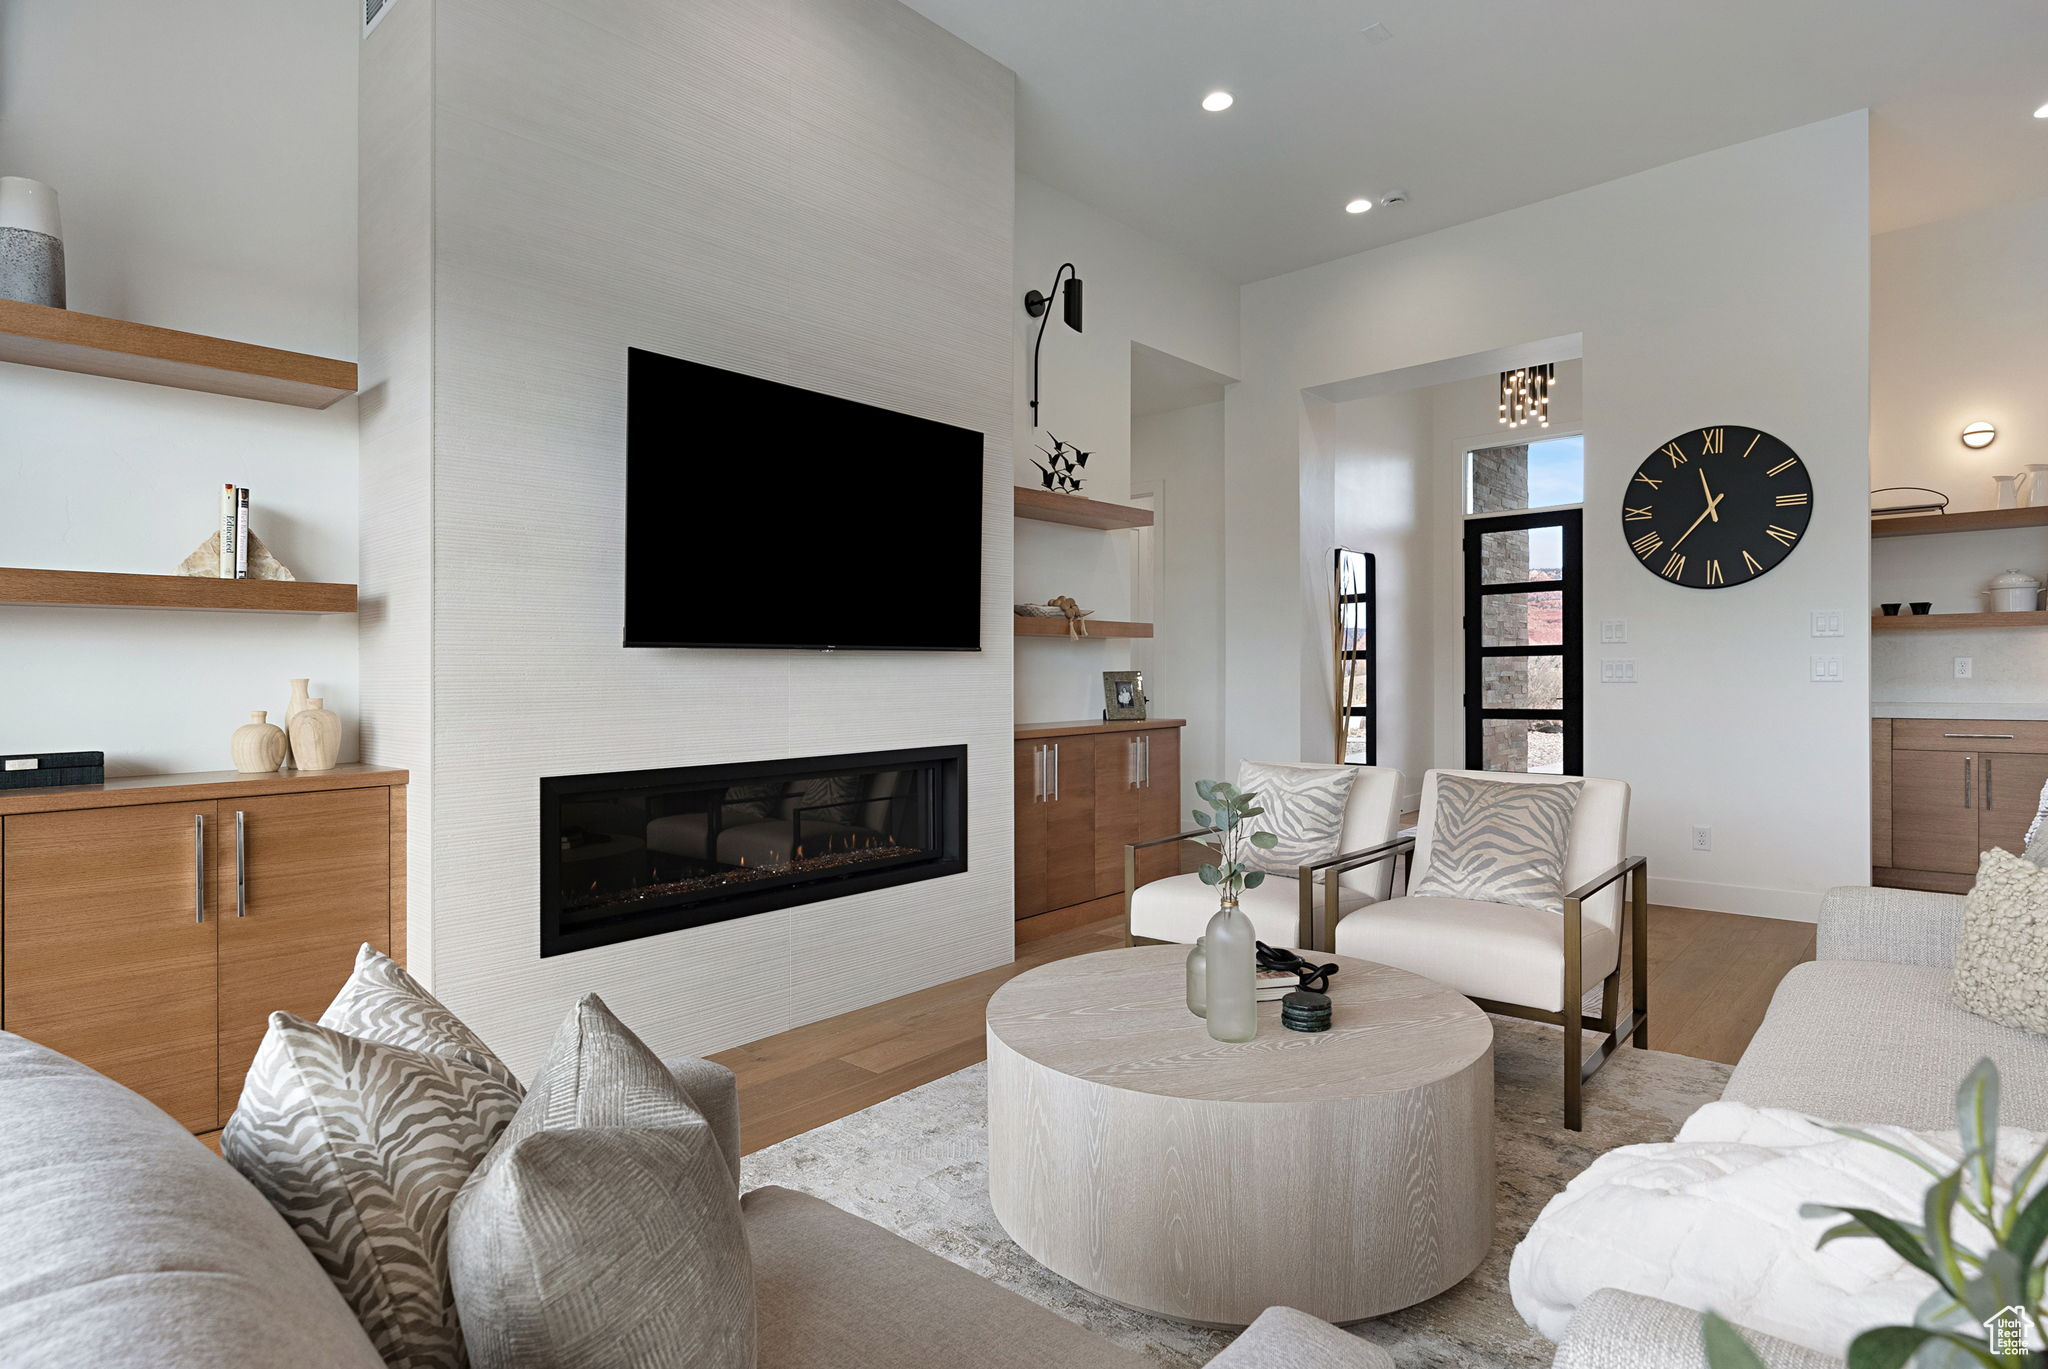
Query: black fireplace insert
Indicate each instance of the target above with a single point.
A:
(636, 853)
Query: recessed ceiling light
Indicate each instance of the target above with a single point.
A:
(1216, 101)
(2042, 112)
(1358, 206)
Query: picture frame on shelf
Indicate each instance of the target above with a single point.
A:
(1123, 695)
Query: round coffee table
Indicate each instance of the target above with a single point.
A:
(1347, 1173)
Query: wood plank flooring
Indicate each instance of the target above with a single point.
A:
(1711, 977)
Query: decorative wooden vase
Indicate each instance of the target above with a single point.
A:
(299, 704)
(258, 745)
(316, 736)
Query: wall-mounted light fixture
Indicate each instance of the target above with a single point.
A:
(1979, 436)
(1040, 307)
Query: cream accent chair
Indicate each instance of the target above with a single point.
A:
(1284, 909)
(1526, 962)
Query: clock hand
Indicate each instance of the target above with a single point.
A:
(1713, 501)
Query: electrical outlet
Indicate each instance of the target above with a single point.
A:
(1617, 672)
(1827, 670)
(1613, 630)
(1702, 838)
(1827, 622)
(1964, 664)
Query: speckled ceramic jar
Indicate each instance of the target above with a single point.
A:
(31, 243)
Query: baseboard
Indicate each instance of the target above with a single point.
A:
(1788, 905)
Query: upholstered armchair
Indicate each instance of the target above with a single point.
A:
(1530, 962)
(1285, 911)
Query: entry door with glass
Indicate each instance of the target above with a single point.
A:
(1522, 605)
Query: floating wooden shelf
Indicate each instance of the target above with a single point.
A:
(1097, 627)
(1984, 520)
(107, 590)
(1071, 509)
(1933, 622)
(64, 340)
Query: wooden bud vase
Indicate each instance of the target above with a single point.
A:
(258, 745)
(316, 737)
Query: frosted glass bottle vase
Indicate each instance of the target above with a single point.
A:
(1198, 979)
(1232, 960)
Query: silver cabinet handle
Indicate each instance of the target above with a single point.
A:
(1980, 736)
(1038, 774)
(1987, 781)
(1144, 761)
(1130, 762)
(241, 864)
(199, 867)
(1968, 762)
(1055, 772)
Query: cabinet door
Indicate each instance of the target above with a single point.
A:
(300, 881)
(111, 939)
(1162, 803)
(1031, 791)
(1070, 823)
(1120, 807)
(1934, 810)
(2010, 793)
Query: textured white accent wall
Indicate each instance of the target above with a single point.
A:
(205, 191)
(1730, 287)
(819, 192)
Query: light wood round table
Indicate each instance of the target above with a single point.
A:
(1347, 1173)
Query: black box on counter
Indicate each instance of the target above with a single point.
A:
(48, 769)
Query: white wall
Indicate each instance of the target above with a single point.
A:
(1136, 291)
(1958, 333)
(818, 192)
(207, 192)
(1729, 287)
(1180, 453)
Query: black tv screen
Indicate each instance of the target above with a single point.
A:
(761, 515)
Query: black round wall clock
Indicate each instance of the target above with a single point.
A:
(1717, 507)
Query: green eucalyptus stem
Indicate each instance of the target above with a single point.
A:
(1230, 808)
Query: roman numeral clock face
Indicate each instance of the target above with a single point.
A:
(1717, 507)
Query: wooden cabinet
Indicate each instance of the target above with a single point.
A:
(1085, 790)
(1950, 790)
(149, 927)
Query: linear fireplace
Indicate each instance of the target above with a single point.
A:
(638, 852)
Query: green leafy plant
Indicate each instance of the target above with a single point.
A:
(1233, 809)
(1971, 1289)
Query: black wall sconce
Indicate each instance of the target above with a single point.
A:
(1040, 307)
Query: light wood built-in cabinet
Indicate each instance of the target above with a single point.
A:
(1085, 791)
(150, 926)
(1946, 790)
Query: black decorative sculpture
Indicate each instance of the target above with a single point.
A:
(1314, 977)
(1066, 461)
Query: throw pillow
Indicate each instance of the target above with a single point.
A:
(1304, 809)
(381, 1002)
(1499, 842)
(604, 1229)
(2002, 957)
(362, 1146)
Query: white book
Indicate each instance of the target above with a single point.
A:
(227, 532)
(242, 533)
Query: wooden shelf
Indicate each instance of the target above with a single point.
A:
(106, 590)
(64, 340)
(1984, 520)
(1097, 627)
(1934, 622)
(1071, 509)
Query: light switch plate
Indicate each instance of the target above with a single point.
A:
(1827, 622)
(1613, 630)
(1827, 670)
(1617, 672)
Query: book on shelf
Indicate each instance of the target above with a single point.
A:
(242, 533)
(228, 509)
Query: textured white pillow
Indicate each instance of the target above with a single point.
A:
(362, 1147)
(1304, 809)
(2001, 970)
(1497, 841)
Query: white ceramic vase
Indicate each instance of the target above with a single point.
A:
(2037, 486)
(31, 243)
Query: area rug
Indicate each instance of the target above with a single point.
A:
(918, 1165)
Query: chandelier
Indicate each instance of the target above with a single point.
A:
(1525, 395)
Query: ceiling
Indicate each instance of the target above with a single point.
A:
(1478, 106)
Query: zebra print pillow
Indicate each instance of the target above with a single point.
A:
(1498, 842)
(1304, 809)
(381, 1002)
(362, 1146)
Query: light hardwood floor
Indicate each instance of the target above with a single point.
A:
(1711, 977)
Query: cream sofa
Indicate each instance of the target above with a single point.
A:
(1863, 1033)
(126, 1244)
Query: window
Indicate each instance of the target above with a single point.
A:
(1526, 475)
(1356, 680)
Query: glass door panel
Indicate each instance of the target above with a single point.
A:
(1522, 664)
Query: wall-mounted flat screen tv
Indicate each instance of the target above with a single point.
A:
(762, 515)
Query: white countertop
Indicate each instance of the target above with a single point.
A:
(1989, 712)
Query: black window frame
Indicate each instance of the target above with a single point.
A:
(1571, 522)
(1369, 655)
